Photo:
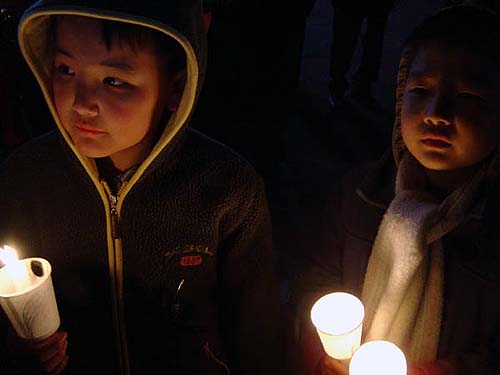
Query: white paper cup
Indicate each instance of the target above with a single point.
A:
(30, 305)
(338, 318)
(378, 357)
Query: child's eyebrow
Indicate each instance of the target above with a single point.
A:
(60, 51)
(116, 63)
(478, 80)
(419, 75)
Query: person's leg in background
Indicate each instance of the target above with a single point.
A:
(295, 41)
(279, 28)
(346, 25)
(368, 71)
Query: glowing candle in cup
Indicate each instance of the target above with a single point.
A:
(338, 318)
(378, 357)
(27, 295)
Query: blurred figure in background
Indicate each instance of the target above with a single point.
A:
(492, 5)
(348, 17)
(23, 113)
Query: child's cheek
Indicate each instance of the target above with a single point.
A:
(409, 128)
(135, 103)
(61, 98)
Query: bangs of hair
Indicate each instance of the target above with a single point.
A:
(134, 36)
(139, 38)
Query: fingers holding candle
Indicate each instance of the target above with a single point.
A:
(46, 356)
(331, 366)
(51, 352)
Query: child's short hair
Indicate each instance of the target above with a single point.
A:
(138, 37)
(467, 27)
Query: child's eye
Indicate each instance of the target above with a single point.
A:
(469, 96)
(65, 70)
(115, 82)
(418, 91)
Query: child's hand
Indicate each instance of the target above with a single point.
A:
(48, 355)
(51, 352)
(440, 367)
(330, 366)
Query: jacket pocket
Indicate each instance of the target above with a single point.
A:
(189, 291)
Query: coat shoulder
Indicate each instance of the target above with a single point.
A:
(219, 160)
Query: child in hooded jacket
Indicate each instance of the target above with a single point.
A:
(159, 237)
(415, 235)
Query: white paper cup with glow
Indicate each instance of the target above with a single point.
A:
(27, 296)
(378, 357)
(338, 318)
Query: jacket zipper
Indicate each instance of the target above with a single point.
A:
(115, 259)
(113, 209)
(115, 232)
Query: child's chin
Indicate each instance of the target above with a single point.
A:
(91, 153)
(435, 161)
(89, 147)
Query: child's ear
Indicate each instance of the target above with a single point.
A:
(178, 83)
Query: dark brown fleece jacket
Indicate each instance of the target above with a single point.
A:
(186, 283)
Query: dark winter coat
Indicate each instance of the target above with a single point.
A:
(178, 276)
(471, 318)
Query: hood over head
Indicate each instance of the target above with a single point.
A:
(467, 26)
(181, 20)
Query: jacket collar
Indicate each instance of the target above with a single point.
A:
(377, 187)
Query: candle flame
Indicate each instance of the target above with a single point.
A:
(8, 255)
(15, 269)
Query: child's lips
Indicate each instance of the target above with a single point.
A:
(436, 142)
(88, 129)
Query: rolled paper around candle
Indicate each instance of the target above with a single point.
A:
(30, 304)
(338, 318)
(378, 357)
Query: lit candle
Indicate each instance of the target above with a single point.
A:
(338, 318)
(15, 269)
(27, 295)
(378, 357)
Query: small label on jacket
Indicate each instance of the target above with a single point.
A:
(191, 260)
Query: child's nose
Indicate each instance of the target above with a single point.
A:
(439, 111)
(85, 103)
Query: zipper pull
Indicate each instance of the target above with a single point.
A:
(115, 227)
(176, 306)
(113, 200)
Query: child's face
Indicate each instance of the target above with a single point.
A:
(450, 118)
(107, 100)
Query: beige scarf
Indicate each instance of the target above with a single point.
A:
(403, 286)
